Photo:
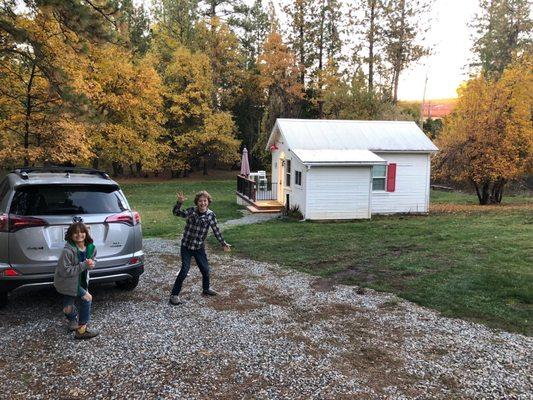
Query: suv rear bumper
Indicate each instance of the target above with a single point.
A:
(109, 274)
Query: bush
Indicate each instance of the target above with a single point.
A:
(293, 212)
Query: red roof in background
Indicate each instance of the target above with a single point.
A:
(438, 108)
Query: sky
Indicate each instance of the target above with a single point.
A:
(445, 68)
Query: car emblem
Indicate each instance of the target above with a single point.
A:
(77, 219)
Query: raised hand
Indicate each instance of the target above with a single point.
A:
(181, 197)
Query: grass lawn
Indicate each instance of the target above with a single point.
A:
(154, 200)
(467, 261)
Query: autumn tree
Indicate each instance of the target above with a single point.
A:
(38, 126)
(280, 86)
(221, 45)
(191, 120)
(79, 22)
(488, 140)
(127, 98)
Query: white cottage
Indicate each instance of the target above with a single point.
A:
(337, 169)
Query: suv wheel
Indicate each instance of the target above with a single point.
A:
(3, 299)
(128, 284)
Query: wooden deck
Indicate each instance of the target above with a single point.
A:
(265, 206)
(262, 206)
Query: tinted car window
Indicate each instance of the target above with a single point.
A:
(4, 189)
(66, 200)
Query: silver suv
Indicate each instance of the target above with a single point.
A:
(36, 207)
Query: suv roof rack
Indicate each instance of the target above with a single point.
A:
(24, 171)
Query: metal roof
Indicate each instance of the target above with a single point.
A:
(321, 134)
(332, 157)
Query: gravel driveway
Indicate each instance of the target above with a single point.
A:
(272, 333)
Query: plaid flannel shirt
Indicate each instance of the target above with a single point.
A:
(197, 226)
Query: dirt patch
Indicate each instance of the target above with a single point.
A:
(377, 366)
(271, 296)
(239, 299)
(66, 368)
(357, 274)
(322, 285)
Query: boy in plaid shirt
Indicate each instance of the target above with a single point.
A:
(199, 220)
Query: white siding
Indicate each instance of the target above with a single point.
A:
(297, 193)
(338, 193)
(412, 185)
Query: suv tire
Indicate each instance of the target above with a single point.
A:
(128, 284)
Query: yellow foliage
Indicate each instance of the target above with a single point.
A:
(127, 97)
(489, 137)
(277, 66)
(37, 126)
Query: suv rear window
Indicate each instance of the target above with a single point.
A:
(67, 200)
(4, 188)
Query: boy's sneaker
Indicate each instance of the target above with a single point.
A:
(85, 333)
(209, 292)
(72, 325)
(175, 300)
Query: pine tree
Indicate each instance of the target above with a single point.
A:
(404, 36)
(503, 30)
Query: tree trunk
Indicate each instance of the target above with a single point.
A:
(205, 166)
(399, 59)
(117, 168)
(302, 44)
(28, 116)
(371, 38)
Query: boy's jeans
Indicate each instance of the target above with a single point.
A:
(85, 307)
(201, 259)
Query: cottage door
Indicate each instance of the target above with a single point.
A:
(280, 180)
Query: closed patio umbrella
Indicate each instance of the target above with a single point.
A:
(245, 165)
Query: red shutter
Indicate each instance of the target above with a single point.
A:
(391, 177)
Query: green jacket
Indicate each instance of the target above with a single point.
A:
(70, 273)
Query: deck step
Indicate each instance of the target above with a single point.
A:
(268, 210)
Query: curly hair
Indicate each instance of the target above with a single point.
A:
(202, 193)
(77, 227)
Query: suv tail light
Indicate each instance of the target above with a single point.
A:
(17, 222)
(3, 222)
(122, 218)
(136, 217)
(126, 217)
(9, 272)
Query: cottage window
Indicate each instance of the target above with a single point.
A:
(298, 177)
(379, 176)
(287, 172)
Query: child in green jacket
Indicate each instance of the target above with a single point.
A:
(71, 278)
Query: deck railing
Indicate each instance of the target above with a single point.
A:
(248, 188)
(268, 191)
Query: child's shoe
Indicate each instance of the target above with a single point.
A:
(175, 300)
(209, 292)
(72, 325)
(85, 333)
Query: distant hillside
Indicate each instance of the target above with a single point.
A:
(434, 108)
